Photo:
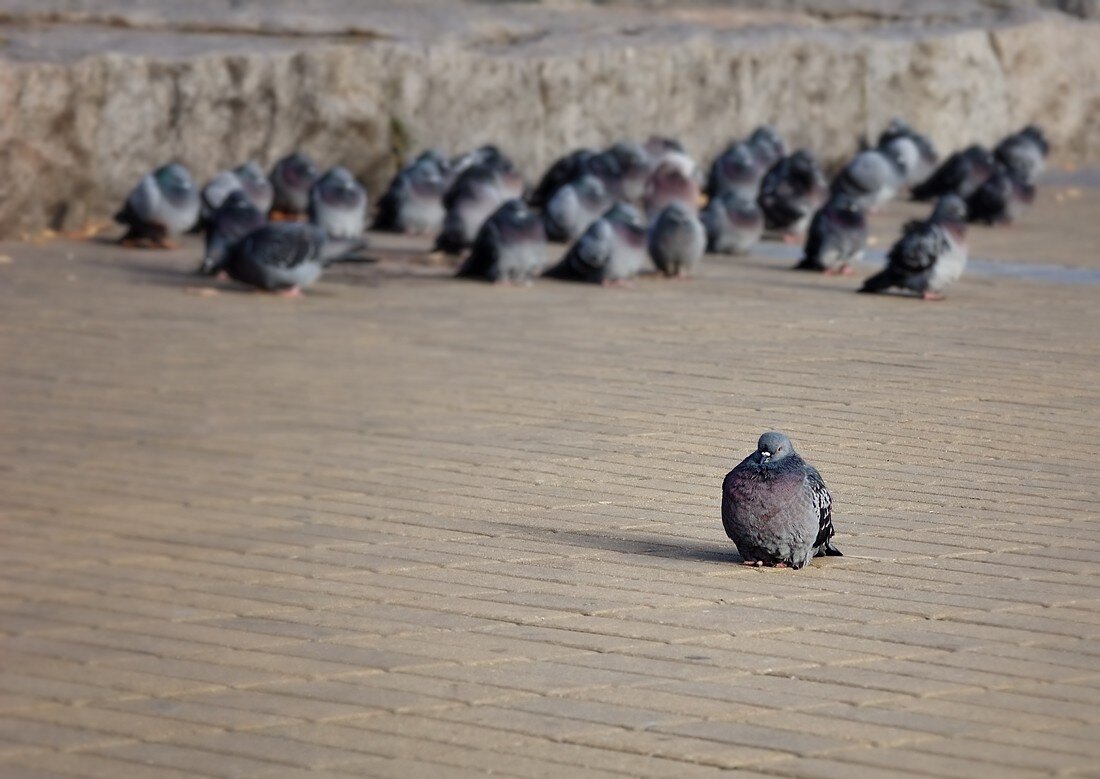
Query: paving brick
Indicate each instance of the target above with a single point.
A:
(412, 547)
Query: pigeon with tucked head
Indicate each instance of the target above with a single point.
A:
(776, 507)
(930, 255)
(338, 204)
(837, 237)
(510, 248)
(611, 252)
(292, 178)
(164, 204)
(734, 223)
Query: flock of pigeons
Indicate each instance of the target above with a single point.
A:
(618, 209)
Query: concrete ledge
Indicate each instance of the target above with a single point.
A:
(91, 100)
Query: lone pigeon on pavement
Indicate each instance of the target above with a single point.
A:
(776, 507)
(611, 252)
(338, 203)
(733, 223)
(292, 178)
(510, 247)
(165, 203)
(284, 257)
(235, 218)
(837, 237)
(789, 194)
(677, 240)
(930, 254)
(960, 174)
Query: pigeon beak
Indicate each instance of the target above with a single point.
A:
(765, 456)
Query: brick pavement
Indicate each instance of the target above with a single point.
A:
(408, 526)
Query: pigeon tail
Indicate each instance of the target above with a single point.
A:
(828, 550)
(880, 281)
(347, 250)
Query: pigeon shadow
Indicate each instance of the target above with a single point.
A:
(622, 543)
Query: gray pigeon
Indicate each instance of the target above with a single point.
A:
(624, 169)
(1024, 154)
(790, 192)
(235, 218)
(871, 178)
(165, 203)
(677, 240)
(611, 252)
(256, 186)
(768, 145)
(837, 237)
(918, 155)
(574, 207)
(510, 247)
(471, 199)
(930, 254)
(776, 507)
(508, 177)
(1001, 199)
(414, 201)
(284, 257)
(562, 171)
(338, 203)
(734, 224)
(736, 170)
(673, 181)
(961, 174)
(292, 178)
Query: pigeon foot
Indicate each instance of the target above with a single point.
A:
(753, 563)
(291, 292)
(930, 295)
(790, 238)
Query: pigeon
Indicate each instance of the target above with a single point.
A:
(338, 203)
(776, 507)
(790, 192)
(960, 174)
(414, 201)
(489, 156)
(624, 169)
(837, 237)
(235, 218)
(768, 145)
(611, 251)
(1001, 199)
(256, 185)
(469, 201)
(292, 177)
(737, 170)
(733, 223)
(918, 155)
(1024, 153)
(673, 181)
(165, 203)
(658, 147)
(285, 257)
(574, 207)
(564, 170)
(677, 240)
(871, 178)
(510, 247)
(929, 255)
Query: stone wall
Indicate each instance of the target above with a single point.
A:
(76, 132)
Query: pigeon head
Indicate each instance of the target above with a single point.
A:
(1035, 134)
(624, 213)
(297, 170)
(950, 208)
(251, 173)
(630, 156)
(173, 179)
(773, 447)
